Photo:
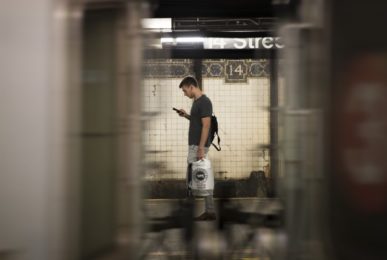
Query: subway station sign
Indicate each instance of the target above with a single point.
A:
(212, 43)
(243, 43)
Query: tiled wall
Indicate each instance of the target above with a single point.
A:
(241, 107)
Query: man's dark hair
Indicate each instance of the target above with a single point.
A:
(187, 81)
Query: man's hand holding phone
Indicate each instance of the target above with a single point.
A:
(181, 112)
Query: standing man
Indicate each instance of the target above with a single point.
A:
(198, 137)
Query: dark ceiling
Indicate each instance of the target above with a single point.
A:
(223, 8)
(224, 24)
(209, 8)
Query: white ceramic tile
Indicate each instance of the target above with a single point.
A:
(243, 120)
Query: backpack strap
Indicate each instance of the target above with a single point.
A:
(216, 147)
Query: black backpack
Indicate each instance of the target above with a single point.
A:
(213, 131)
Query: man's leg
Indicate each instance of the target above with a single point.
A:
(191, 157)
(209, 213)
(189, 179)
(209, 208)
(209, 204)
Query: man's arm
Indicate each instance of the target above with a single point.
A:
(206, 124)
(182, 113)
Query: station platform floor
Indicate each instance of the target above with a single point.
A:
(240, 233)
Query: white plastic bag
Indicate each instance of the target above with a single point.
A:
(202, 177)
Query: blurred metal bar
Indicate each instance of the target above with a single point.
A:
(303, 149)
(135, 12)
(73, 170)
(273, 123)
(357, 169)
(197, 68)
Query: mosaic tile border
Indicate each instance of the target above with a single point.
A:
(167, 68)
(231, 70)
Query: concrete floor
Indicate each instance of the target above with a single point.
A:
(211, 239)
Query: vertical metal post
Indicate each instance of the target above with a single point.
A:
(197, 68)
(273, 122)
(135, 12)
(357, 123)
(302, 142)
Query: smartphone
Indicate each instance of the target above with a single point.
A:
(178, 111)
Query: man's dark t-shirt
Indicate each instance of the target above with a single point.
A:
(201, 107)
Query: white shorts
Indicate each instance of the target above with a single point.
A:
(193, 151)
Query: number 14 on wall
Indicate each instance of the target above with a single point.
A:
(236, 71)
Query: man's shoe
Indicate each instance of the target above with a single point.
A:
(206, 216)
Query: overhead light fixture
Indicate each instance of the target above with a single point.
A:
(157, 24)
(167, 40)
(190, 40)
(182, 42)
